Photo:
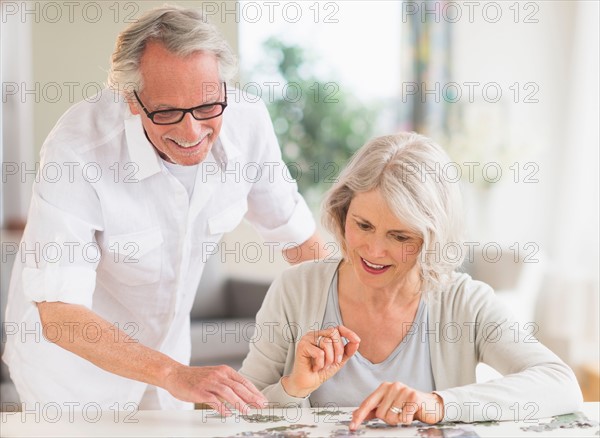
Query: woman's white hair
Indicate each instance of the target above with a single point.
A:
(182, 31)
(409, 171)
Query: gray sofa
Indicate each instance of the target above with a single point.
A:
(222, 320)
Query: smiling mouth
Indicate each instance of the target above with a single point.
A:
(374, 268)
(188, 145)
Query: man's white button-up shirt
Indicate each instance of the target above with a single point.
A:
(110, 228)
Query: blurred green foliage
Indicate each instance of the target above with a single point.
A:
(319, 124)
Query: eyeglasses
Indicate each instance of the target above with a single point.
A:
(171, 116)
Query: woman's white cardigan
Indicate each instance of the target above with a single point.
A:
(466, 325)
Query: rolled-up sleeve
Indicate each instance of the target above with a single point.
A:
(298, 228)
(535, 382)
(67, 284)
(59, 250)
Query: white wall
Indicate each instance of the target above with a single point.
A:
(16, 135)
(559, 135)
(506, 53)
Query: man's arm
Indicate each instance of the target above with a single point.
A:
(313, 249)
(120, 354)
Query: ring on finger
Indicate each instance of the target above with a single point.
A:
(319, 339)
(396, 410)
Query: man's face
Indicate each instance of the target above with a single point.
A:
(171, 82)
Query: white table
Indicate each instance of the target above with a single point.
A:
(53, 423)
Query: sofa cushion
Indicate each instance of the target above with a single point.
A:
(210, 301)
(244, 297)
(221, 341)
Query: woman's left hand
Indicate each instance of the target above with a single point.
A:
(319, 355)
(396, 403)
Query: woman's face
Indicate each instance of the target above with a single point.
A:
(382, 250)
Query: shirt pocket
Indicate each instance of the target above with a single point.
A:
(228, 219)
(136, 258)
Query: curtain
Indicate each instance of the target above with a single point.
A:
(426, 54)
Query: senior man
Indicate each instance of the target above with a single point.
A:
(153, 172)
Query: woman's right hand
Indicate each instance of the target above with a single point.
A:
(319, 355)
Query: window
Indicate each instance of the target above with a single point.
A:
(329, 73)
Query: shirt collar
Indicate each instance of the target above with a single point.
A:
(141, 151)
(224, 149)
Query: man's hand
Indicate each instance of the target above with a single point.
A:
(313, 249)
(396, 403)
(319, 355)
(115, 352)
(214, 386)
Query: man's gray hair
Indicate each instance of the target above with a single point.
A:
(407, 169)
(182, 31)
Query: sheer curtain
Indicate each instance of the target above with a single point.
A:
(573, 286)
(559, 53)
(576, 224)
(426, 54)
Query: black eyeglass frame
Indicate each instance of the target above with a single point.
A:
(184, 111)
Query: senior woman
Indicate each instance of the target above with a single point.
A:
(392, 327)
